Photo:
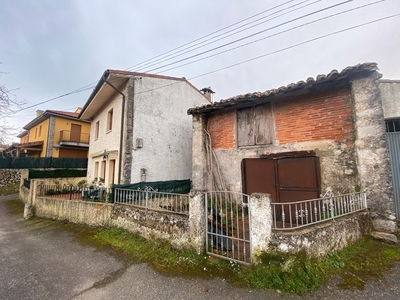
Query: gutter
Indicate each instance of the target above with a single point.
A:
(122, 128)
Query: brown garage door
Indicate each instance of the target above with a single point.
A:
(288, 177)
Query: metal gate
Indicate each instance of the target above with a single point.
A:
(394, 150)
(228, 226)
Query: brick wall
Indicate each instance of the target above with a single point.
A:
(322, 116)
(222, 130)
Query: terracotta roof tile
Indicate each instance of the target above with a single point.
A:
(333, 76)
(65, 113)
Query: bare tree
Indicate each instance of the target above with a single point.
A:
(8, 106)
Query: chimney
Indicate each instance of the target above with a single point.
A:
(78, 110)
(208, 93)
(39, 112)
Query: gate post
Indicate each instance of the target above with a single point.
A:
(197, 221)
(260, 224)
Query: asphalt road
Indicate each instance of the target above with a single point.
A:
(38, 261)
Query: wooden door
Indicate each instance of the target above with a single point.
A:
(75, 133)
(287, 177)
(259, 176)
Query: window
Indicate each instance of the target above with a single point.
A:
(96, 169)
(96, 130)
(40, 130)
(35, 132)
(393, 125)
(109, 120)
(255, 126)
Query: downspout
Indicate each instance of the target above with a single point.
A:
(122, 129)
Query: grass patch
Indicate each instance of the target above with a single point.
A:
(15, 207)
(9, 189)
(366, 260)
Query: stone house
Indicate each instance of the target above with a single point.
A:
(299, 141)
(140, 129)
(54, 133)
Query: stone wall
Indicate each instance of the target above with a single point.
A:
(371, 147)
(75, 211)
(390, 94)
(188, 231)
(318, 240)
(152, 224)
(182, 231)
(315, 240)
(9, 176)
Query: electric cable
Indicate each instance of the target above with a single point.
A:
(90, 86)
(165, 58)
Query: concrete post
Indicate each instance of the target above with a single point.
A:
(199, 155)
(29, 208)
(24, 175)
(260, 224)
(197, 221)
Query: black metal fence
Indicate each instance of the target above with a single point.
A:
(73, 192)
(171, 186)
(27, 183)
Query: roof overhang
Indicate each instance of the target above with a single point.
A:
(110, 82)
(102, 93)
(32, 146)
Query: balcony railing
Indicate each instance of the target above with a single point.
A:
(67, 136)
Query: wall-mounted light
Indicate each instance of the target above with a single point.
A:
(143, 175)
(139, 143)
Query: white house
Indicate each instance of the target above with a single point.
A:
(140, 130)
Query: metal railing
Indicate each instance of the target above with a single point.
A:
(71, 192)
(66, 136)
(149, 198)
(228, 226)
(292, 215)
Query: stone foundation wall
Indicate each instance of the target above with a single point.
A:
(318, 240)
(75, 211)
(9, 176)
(152, 224)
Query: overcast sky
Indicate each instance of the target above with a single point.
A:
(50, 48)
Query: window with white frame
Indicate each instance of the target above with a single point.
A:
(109, 120)
(96, 169)
(96, 130)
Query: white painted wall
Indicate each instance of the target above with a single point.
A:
(161, 120)
(390, 95)
(107, 141)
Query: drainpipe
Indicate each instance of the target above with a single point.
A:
(122, 129)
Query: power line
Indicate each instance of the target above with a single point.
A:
(284, 23)
(203, 44)
(297, 45)
(277, 51)
(87, 87)
(254, 34)
(92, 85)
(207, 35)
(273, 35)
